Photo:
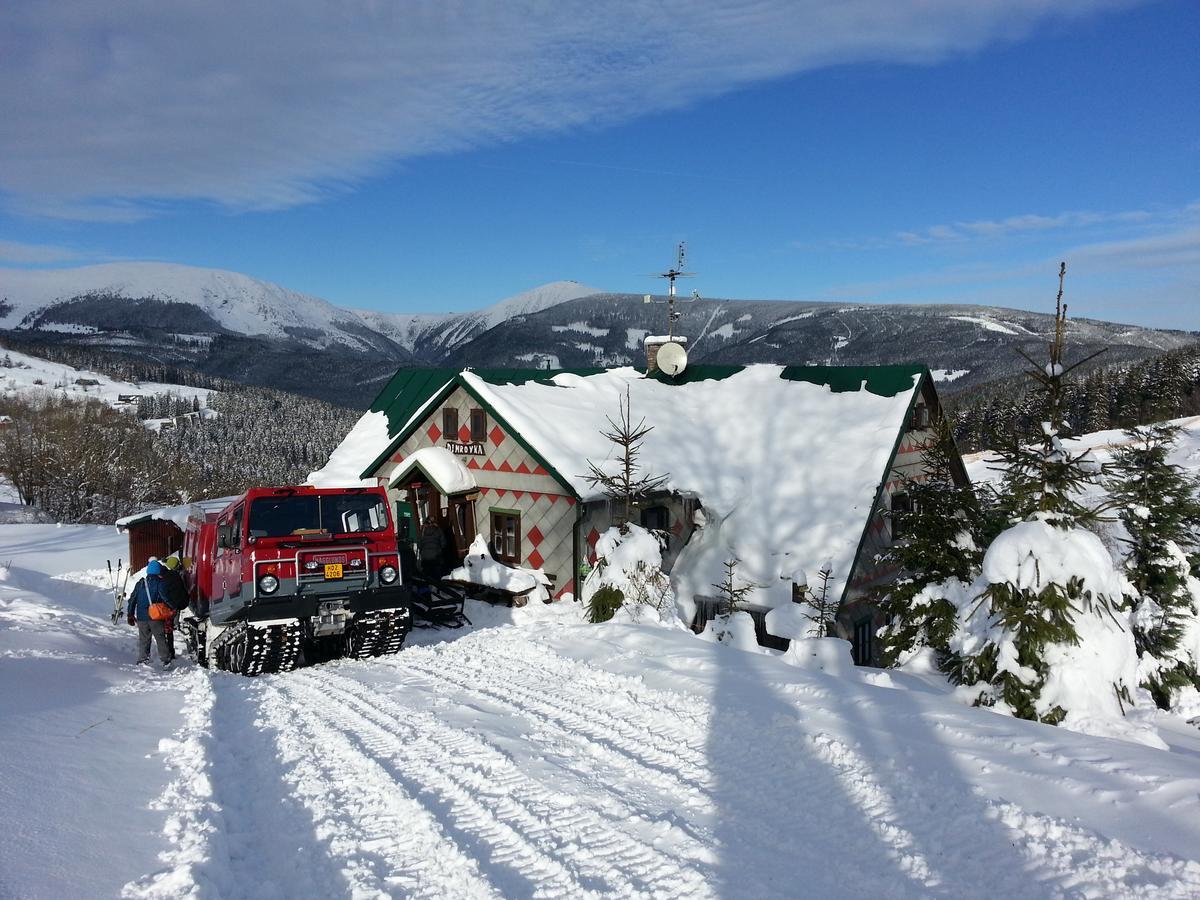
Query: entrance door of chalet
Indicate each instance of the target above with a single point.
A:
(455, 516)
(461, 514)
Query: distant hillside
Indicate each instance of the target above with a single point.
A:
(964, 345)
(231, 326)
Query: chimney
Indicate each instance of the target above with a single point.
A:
(653, 344)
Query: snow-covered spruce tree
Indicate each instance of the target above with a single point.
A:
(621, 477)
(1040, 634)
(628, 575)
(939, 539)
(1159, 505)
(628, 558)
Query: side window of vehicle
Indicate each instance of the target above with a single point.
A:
(235, 539)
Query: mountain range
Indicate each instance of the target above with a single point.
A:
(238, 327)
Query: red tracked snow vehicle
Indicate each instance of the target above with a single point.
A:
(287, 572)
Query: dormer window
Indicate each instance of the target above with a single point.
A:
(478, 425)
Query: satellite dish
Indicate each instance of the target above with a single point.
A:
(672, 358)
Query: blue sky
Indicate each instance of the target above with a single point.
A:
(863, 151)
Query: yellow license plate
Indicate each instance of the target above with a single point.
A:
(333, 570)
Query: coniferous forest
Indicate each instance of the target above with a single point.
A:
(1153, 390)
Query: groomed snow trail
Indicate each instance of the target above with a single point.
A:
(623, 762)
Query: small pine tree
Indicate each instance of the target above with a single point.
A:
(1040, 475)
(1159, 505)
(731, 596)
(819, 607)
(940, 537)
(628, 484)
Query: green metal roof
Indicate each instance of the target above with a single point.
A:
(407, 391)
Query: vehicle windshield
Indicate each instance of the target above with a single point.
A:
(332, 514)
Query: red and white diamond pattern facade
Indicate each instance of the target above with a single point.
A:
(510, 479)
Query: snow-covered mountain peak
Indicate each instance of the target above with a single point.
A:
(234, 301)
(40, 300)
(535, 300)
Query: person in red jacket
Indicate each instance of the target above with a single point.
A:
(150, 589)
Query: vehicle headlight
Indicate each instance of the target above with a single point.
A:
(268, 584)
(388, 574)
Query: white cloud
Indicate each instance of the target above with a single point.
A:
(1151, 279)
(272, 104)
(1013, 225)
(38, 254)
(1177, 249)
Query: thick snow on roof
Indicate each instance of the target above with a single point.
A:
(448, 474)
(787, 471)
(175, 514)
(365, 441)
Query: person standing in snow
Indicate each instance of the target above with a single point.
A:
(177, 595)
(150, 589)
(432, 547)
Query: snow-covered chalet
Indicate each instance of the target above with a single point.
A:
(790, 469)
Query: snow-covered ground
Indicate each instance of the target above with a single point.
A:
(533, 755)
(982, 468)
(31, 374)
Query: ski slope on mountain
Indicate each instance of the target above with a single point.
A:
(533, 755)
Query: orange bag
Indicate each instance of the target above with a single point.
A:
(161, 612)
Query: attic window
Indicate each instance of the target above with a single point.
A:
(450, 423)
(478, 425)
(920, 417)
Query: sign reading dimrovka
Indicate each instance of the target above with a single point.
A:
(469, 448)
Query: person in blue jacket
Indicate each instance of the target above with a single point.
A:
(150, 589)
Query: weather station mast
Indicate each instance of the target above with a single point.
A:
(671, 357)
(671, 274)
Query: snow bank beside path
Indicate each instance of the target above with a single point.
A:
(80, 725)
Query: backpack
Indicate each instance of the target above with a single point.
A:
(175, 591)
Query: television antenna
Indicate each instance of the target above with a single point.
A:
(671, 274)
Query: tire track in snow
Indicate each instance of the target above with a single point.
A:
(568, 847)
(1123, 779)
(388, 842)
(587, 707)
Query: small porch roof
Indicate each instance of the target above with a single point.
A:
(440, 467)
